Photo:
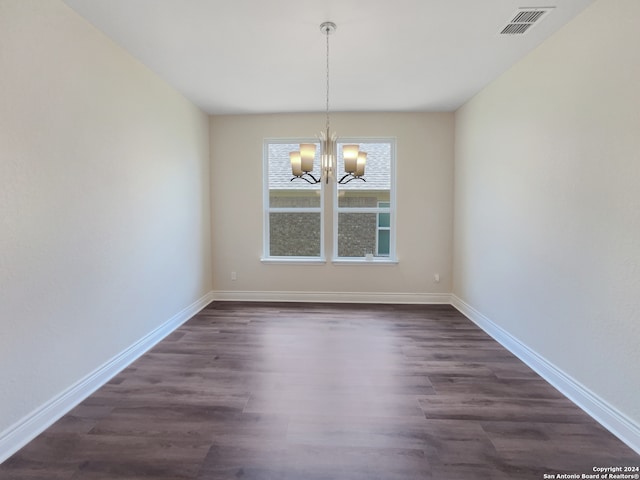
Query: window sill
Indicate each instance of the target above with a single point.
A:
(293, 261)
(364, 261)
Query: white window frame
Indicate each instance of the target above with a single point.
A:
(267, 209)
(391, 258)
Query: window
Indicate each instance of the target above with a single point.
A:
(364, 210)
(361, 213)
(293, 214)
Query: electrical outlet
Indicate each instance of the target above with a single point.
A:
(234, 276)
(436, 278)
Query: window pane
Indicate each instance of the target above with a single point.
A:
(294, 234)
(377, 177)
(356, 234)
(384, 220)
(283, 191)
(383, 243)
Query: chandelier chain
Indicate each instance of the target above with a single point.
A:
(327, 106)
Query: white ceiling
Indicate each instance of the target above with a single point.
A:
(265, 56)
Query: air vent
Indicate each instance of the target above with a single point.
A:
(524, 19)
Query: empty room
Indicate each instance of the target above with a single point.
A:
(319, 240)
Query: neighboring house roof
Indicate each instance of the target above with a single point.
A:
(377, 171)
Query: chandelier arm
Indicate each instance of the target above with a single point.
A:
(305, 179)
(343, 178)
(315, 180)
(352, 178)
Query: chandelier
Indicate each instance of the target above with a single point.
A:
(302, 160)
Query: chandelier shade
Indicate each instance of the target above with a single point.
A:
(307, 155)
(296, 163)
(350, 155)
(360, 164)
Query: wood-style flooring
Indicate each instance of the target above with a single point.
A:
(318, 392)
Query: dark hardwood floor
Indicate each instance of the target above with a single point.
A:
(311, 392)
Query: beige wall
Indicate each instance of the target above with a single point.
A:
(547, 202)
(104, 203)
(424, 200)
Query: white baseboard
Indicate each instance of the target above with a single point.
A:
(608, 416)
(333, 297)
(26, 429)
